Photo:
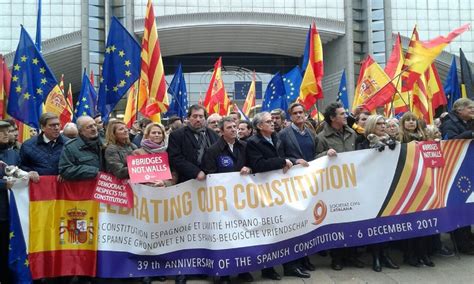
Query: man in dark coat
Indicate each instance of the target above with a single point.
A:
(457, 125)
(187, 145)
(224, 156)
(263, 156)
(41, 153)
(298, 144)
(82, 157)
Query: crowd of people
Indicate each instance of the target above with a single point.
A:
(200, 144)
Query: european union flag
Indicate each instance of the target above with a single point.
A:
(32, 80)
(87, 101)
(292, 81)
(121, 67)
(342, 94)
(17, 256)
(452, 89)
(179, 95)
(306, 51)
(461, 188)
(275, 95)
(241, 89)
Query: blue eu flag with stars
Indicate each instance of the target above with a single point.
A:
(17, 256)
(121, 67)
(292, 81)
(275, 95)
(342, 94)
(178, 94)
(87, 101)
(31, 82)
(452, 89)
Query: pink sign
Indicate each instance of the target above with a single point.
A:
(432, 154)
(148, 168)
(114, 191)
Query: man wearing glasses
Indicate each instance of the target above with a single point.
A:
(82, 157)
(41, 153)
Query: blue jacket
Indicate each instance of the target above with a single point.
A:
(10, 157)
(37, 155)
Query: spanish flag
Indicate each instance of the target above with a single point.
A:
(63, 228)
(421, 54)
(400, 101)
(311, 87)
(5, 79)
(56, 103)
(374, 87)
(216, 100)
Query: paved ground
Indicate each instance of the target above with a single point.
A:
(456, 269)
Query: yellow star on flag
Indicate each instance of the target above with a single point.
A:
(121, 53)
(113, 48)
(84, 99)
(128, 73)
(107, 50)
(122, 83)
(39, 91)
(16, 67)
(18, 89)
(12, 235)
(26, 96)
(115, 89)
(42, 70)
(35, 61)
(15, 78)
(27, 263)
(127, 63)
(23, 58)
(43, 81)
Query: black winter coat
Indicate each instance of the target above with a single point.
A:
(262, 156)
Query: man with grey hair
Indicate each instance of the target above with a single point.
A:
(213, 122)
(457, 124)
(82, 157)
(70, 130)
(279, 119)
(262, 156)
(41, 153)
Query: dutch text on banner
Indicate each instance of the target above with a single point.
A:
(148, 168)
(111, 190)
(63, 228)
(231, 223)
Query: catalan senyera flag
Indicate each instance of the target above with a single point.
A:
(400, 101)
(5, 79)
(152, 75)
(428, 95)
(311, 87)
(421, 54)
(250, 99)
(216, 100)
(131, 107)
(70, 105)
(56, 103)
(374, 87)
(63, 228)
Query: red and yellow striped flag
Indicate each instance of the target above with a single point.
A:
(131, 108)
(311, 89)
(63, 228)
(250, 99)
(56, 103)
(70, 105)
(152, 76)
(421, 54)
(216, 100)
(5, 79)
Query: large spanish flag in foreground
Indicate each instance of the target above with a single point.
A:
(311, 87)
(63, 228)
(421, 54)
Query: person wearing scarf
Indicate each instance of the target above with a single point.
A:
(155, 141)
